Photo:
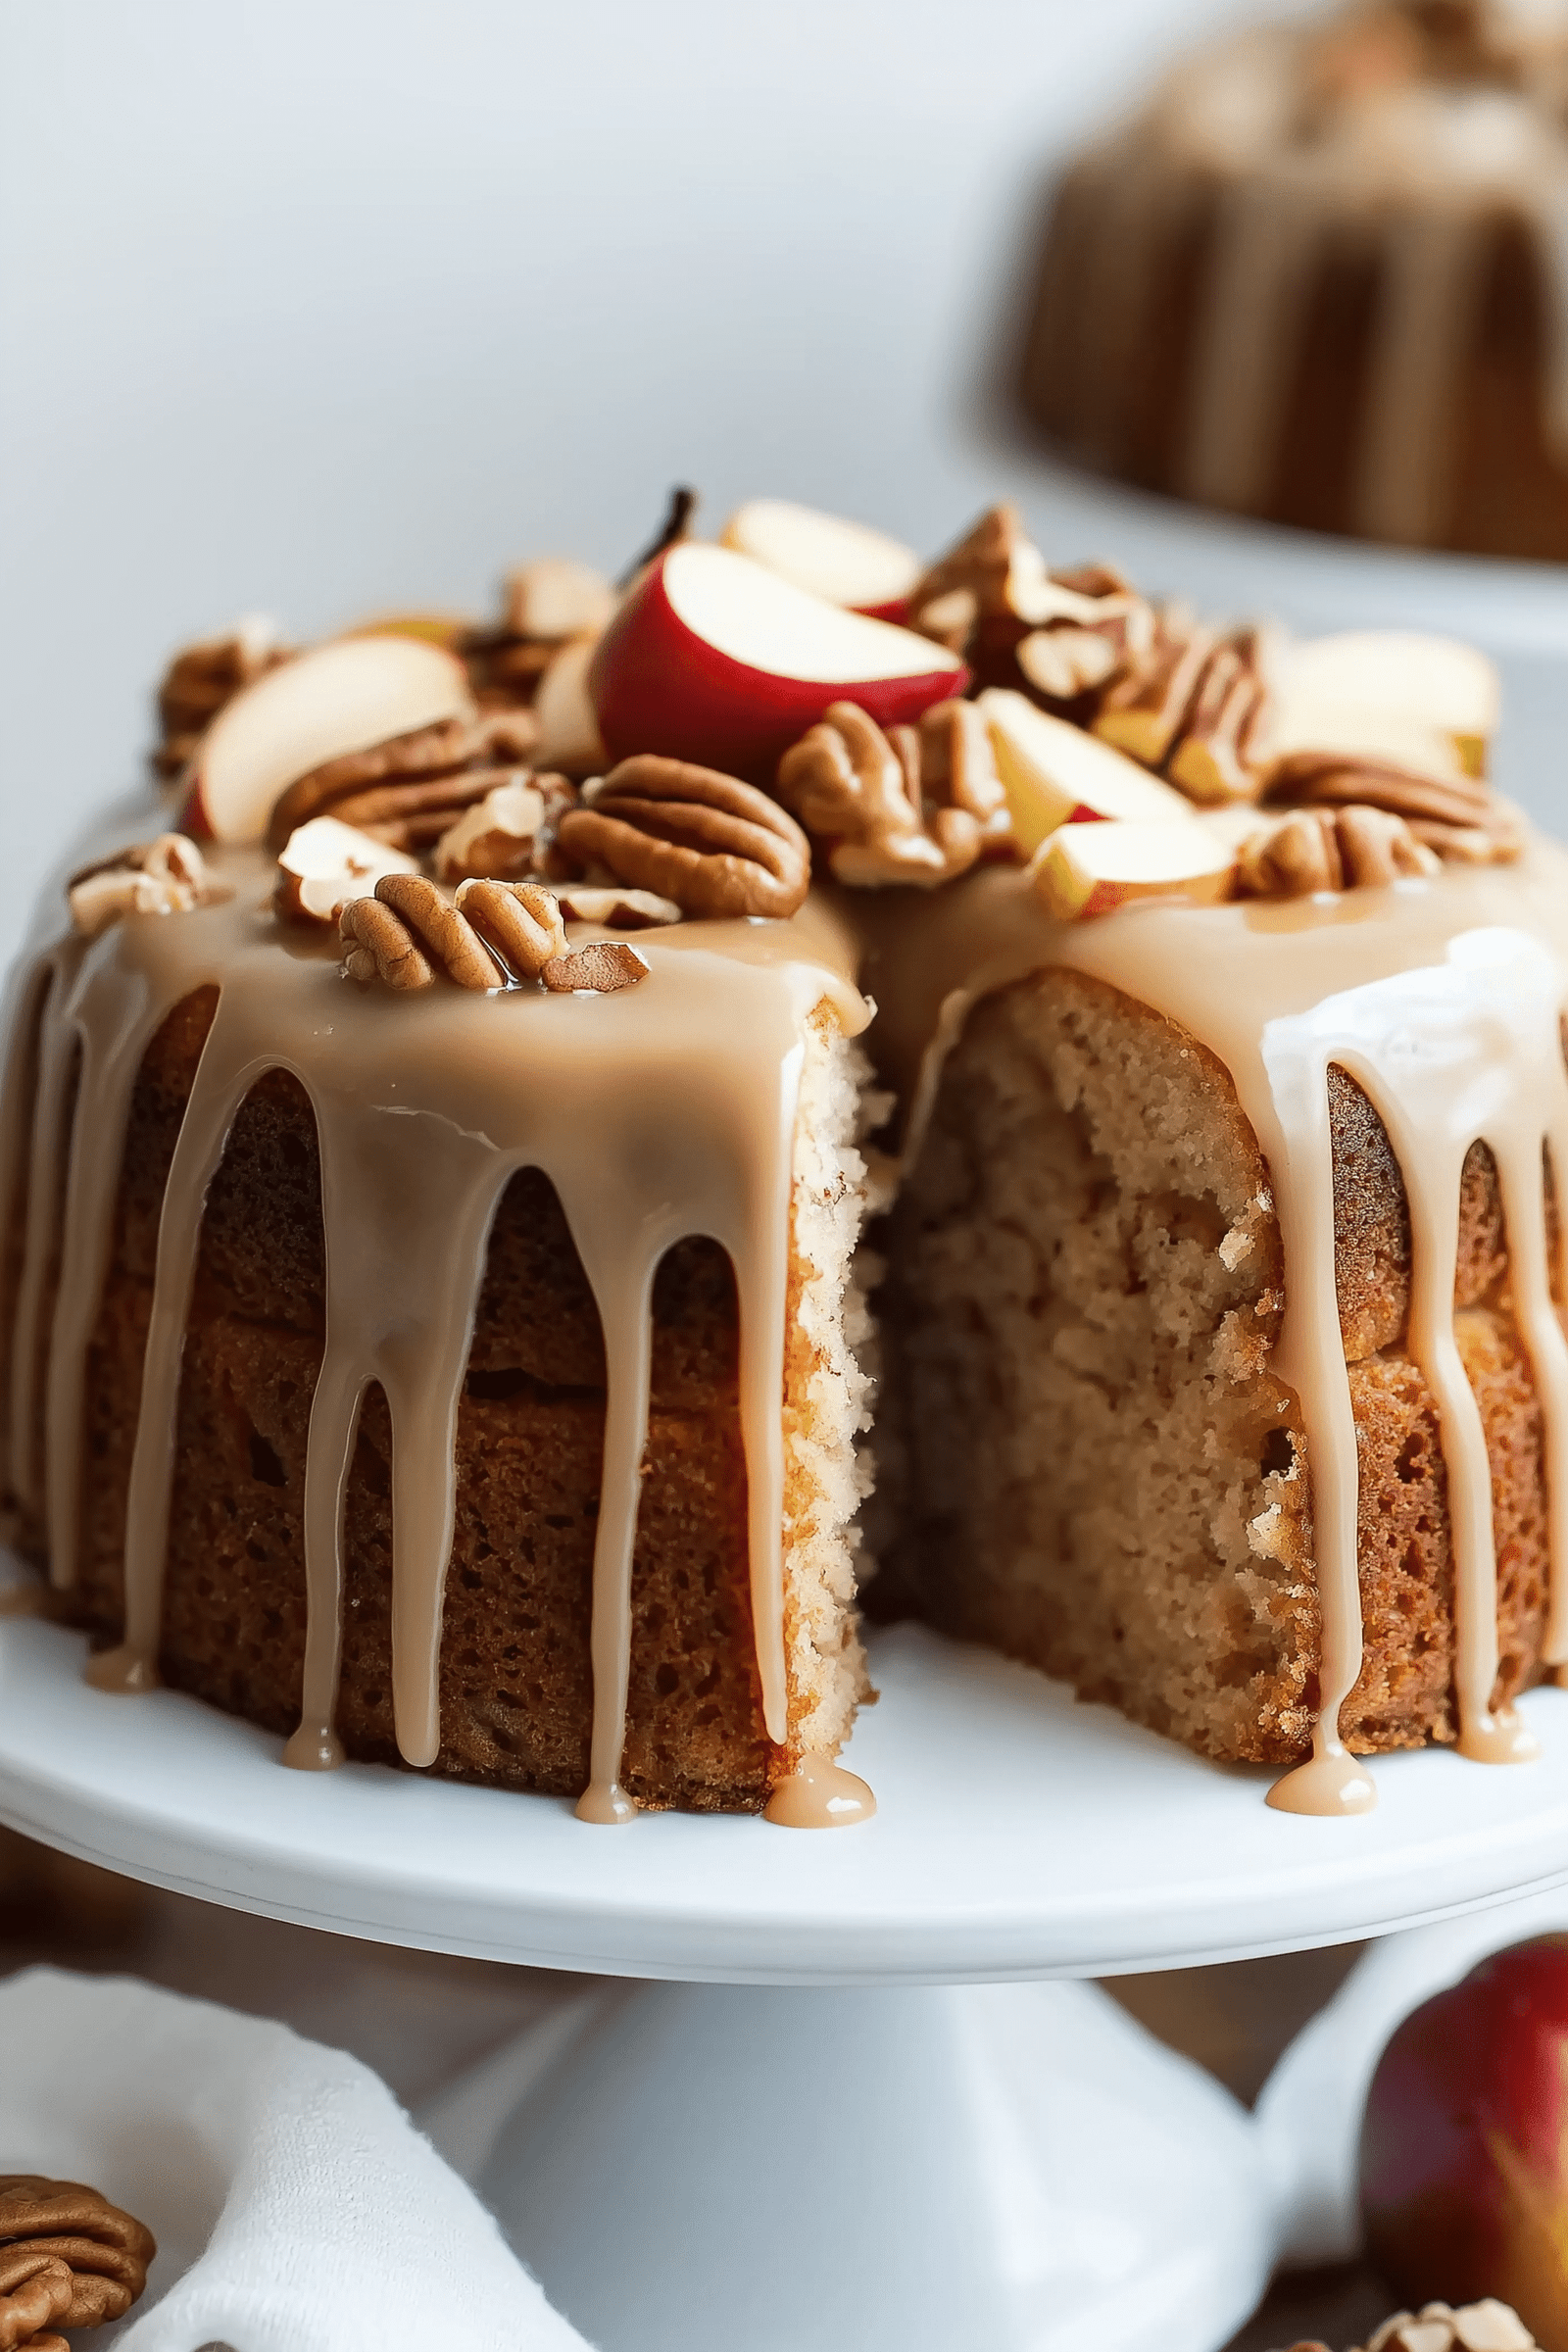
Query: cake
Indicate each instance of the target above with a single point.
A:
(434, 1169)
(1319, 276)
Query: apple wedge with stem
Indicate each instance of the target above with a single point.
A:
(1055, 774)
(844, 563)
(717, 659)
(1088, 869)
(339, 698)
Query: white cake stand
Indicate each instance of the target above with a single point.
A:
(761, 2151)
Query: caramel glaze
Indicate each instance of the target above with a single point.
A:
(669, 1109)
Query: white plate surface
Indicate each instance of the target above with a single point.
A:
(1019, 1834)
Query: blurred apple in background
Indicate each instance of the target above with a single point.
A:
(1464, 2147)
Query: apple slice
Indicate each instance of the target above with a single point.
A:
(715, 659)
(1088, 869)
(844, 563)
(1432, 683)
(570, 740)
(1055, 774)
(339, 698)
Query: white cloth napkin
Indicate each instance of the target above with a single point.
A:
(1310, 2113)
(296, 2208)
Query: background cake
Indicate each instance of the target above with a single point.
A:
(1319, 277)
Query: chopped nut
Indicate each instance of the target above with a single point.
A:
(497, 836)
(517, 920)
(992, 595)
(1063, 663)
(1144, 711)
(1492, 2327)
(324, 862)
(1330, 849)
(717, 847)
(59, 2230)
(1213, 758)
(599, 968)
(408, 932)
(1458, 815)
(164, 876)
(865, 805)
(615, 907)
(959, 767)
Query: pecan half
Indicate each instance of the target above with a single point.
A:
(102, 2252)
(407, 933)
(1457, 815)
(517, 920)
(860, 794)
(166, 877)
(201, 679)
(1329, 849)
(717, 847)
(409, 790)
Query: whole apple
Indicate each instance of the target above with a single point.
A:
(1464, 2145)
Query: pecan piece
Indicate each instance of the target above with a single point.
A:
(103, 2252)
(717, 847)
(1458, 815)
(992, 595)
(505, 834)
(1313, 850)
(597, 969)
(407, 933)
(860, 794)
(1214, 757)
(616, 909)
(326, 863)
(1144, 711)
(166, 877)
(517, 921)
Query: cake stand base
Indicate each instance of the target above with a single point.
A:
(1019, 2166)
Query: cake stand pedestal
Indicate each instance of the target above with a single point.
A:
(845, 2110)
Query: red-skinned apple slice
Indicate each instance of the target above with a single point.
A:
(715, 659)
(338, 697)
(1055, 774)
(1087, 870)
(846, 564)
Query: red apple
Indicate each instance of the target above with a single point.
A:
(1464, 2148)
(339, 698)
(847, 563)
(715, 659)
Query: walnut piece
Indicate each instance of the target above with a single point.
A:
(410, 789)
(909, 805)
(1329, 849)
(1459, 817)
(505, 834)
(54, 2231)
(717, 847)
(164, 876)
(201, 679)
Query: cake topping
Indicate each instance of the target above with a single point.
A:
(324, 862)
(714, 845)
(1457, 815)
(617, 908)
(910, 804)
(1348, 848)
(1485, 2326)
(1088, 869)
(67, 2259)
(166, 877)
(203, 677)
(597, 969)
(847, 563)
(507, 832)
(518, 921)
(410, 788)
(544, 604)
(407, 933)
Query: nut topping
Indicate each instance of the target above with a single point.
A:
(407, 933)
(599, 968)
(1457, 815)
(498, 835)
(166, 877)
(861, 794)
(203, 677)
(1214, 760)
(717, 847)
(1143, 711)
(326, 863)
(1329, 849)
(67, 2258)
(617, 908)
(409, 790)
(517, 920)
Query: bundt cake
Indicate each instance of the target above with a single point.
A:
(431, 1174)
(1320, 276)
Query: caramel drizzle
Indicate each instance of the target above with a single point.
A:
(665, 1112)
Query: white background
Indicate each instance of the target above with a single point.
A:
(320, 306)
